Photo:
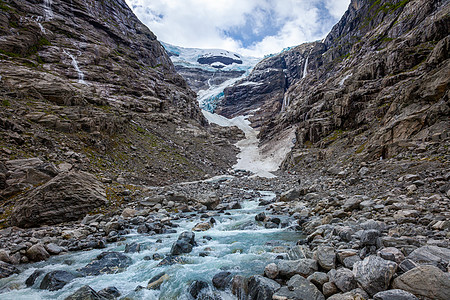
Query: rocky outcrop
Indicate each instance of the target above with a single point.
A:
(67, 197)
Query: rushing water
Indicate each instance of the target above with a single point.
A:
(238, 244)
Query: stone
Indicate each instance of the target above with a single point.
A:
(211, 200)
(395, 294)
(431, 255)
(171, 260)
(109, 293)
(343, 278)
(374, 274)
(326, 257)
(106, 263)
(261, 288)
(184, 244)
(54, 249)
(222, 280)
(425, 281)
(133, 248)
(260, 217)
(298, 288)
(318, 279)
(37, 253)
(352, 203)
(155, 282)
(329, 289)
(356, 294)
(271, 271)
(56, 280)
(196, 288)
(202, 226)
(128, 213)
(7, 270)
(369, 237)
(239, 286)
(290, 195)
(32, 278)
(289, 268)
(84, 293)
(392, 254)
(66, 197)
(4, 256)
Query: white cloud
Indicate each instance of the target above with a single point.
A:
(202, 23)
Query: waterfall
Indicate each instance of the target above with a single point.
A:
(305, 69)
(48, 10)
(75, 65)
(286, 102)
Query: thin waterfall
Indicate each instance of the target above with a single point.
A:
(75, 65)
(305, 69)
(48, 10)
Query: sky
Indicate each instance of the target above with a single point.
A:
(249, 27)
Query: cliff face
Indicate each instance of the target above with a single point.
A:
(85, 82)
(376, 86)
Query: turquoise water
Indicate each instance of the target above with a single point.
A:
(238, 245)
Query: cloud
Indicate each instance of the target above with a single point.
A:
(250, 27)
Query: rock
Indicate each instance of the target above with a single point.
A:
(392, 254)
(56, 280)
(32, 278)
(326, 257)
(356, 294)
(352, 203)
(37, 253)
(211, 200)
(290, 195)
(84, 293)
(67, 197)
(222, 280)
(239, 286)
(128, 213)
(299, 252)
(171, 260)
(109, 293)
(298, 288)
(106, 263)
(374, 274)
(202, 226)
(329, 289)
(394, 295)
(184, 244)
(7, 270)
(343, 278)
(133, 248)
(425, 281)
(318, 279)
(4, 256)
(155, 282)
(261, 288)
(369, 237)
(54, 249)
(271, 271)
(260, 217)
(431, 255)
(196, 288)
(289, 268)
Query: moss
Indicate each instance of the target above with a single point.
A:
(361, 148)
(5, 102)
(11, 54)
(5, 7)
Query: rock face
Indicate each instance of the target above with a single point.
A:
(67, 197)
(377, 83)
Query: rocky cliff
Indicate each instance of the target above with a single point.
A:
(377, 86)
(84, 85)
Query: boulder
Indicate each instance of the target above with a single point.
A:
(343, 278)
(54, 249)
(66, 197)
(109, 293)
(202, 226)
(262, 288)
(271, 271)
(260, 217)
(133, 248)
(56, 280)
(7, 270)
(425, 281)
(431, 255)
(374, 274)
(326, 257)
(369, 237)
(395, 294)
(239, 286)
(184, 244)
(222, 280)
(210, 200)
(356, 294)
(196, 287)
(392, 254)
(298, 288)
(290, 195)
(106, 263)
(318, 279)
(289, 268)
(352, 203)
(37, 253)
(32, 278)
(155, 282)
(85, 293)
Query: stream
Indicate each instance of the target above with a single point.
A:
(237, 243)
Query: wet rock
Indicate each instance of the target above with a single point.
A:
(107, 263)
(239, 286)
(196, 288)
(271, 271)
(261, 288)
(260, 217)
(56, 280)
(109, 293)
(374, 274)
(32, 278)
(289, 268)
(155, 282)
(7, 270)
(222, 280)
(431, 255)
(54, 249)
(395, 294)
(37, 253)
(290, 195)
(211, 200)
(84, 293)
(184, 244)
(171, 260)
(202, 226)
(326, 257)
(318, 279)
(133, 248)
(426, 281)
(298, 288)
(343, 278)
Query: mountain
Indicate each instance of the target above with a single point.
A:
(209, 71)
(85, 86)
(375, 87)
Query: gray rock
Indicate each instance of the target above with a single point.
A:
(262, 288)
(289, 268)
(106, 263)
(426, 281)
(352, 203)
(298, 288)
(290, 195)
(84, 293)
(318, 279)
(329, 289)
(271, 271)
(326, 257)
(350, 261)
(56, 280)
(369, 237)
(394, 295)
(37, 253)
(32, 278)
(222, 280)
(133, 248)
(54, 249)
(356, 294)
(431, 255)
(7, 270)
(374, 274)
(184, 244)
(343, 278)
(156, 281)
(109, 293)
(196, 288)
(392, 254)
